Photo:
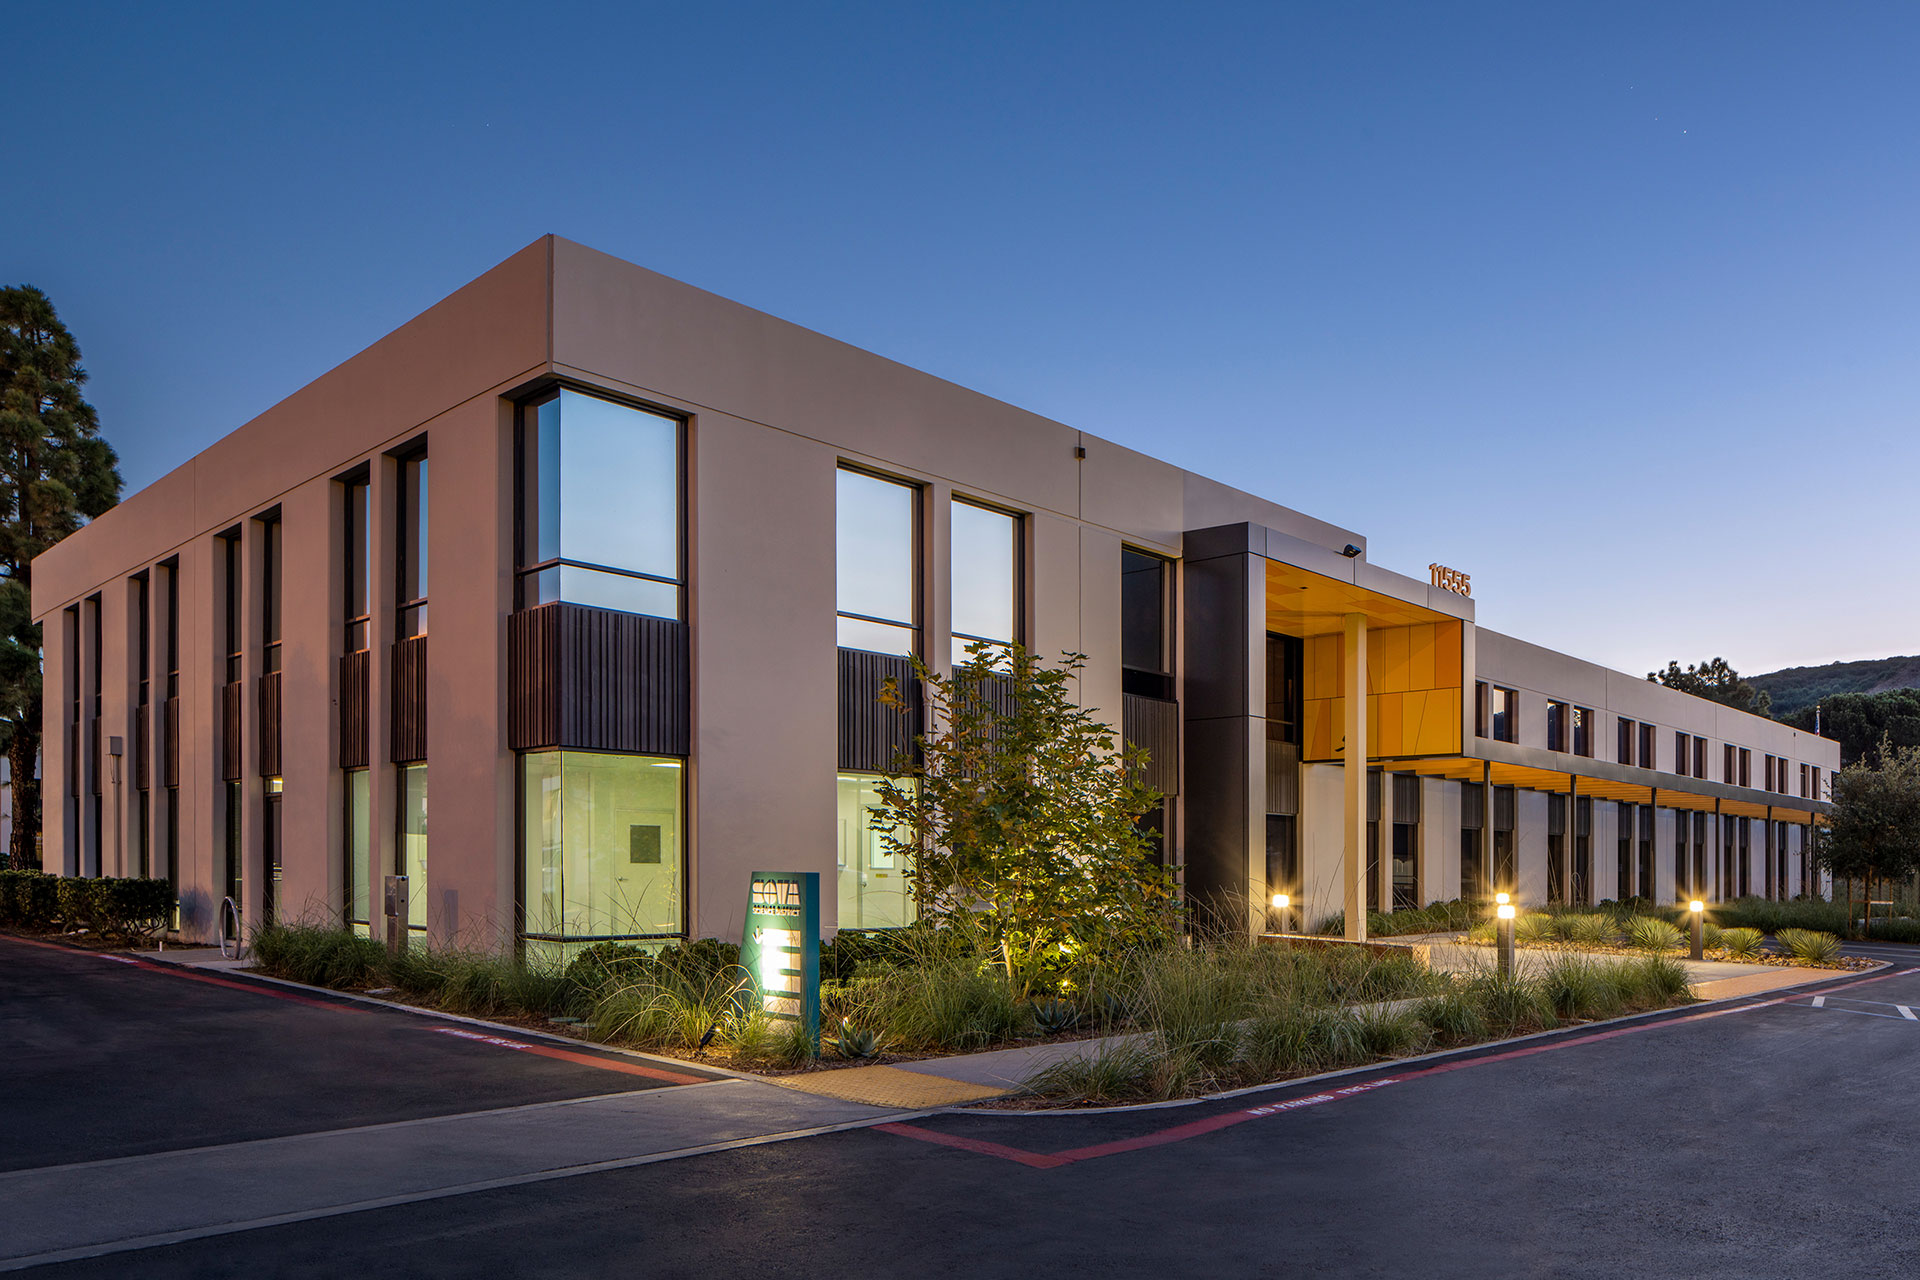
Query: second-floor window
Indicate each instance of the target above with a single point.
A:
(600, 505)
(986, 577)
(1680, 763)
(358, 562)
(230, 588)
(270, 594)
(1626, 740)
(1504, 717)
(410, 606)
(1700, 757)
(1557, 717)
(877, 563)
(1146, 624)
(1583, 731)
(1647, 747)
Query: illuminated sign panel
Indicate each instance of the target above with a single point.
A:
(780, 947)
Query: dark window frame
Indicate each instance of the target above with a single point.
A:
(1135, 679)
(1020, 520)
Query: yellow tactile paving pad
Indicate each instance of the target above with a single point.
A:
(1749, 984)
(887, 1087)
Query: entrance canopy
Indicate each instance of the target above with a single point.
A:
(1688, 793)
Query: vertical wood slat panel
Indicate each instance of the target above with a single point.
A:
(1154, 723)
(270, 724)
(407, 735)
(597, 680)
(872, 735)
(230, 763)
(354, 716)
(170, 742)
(142, 747)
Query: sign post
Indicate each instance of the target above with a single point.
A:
(780, 947)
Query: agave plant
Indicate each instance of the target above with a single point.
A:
(1053, 1016)
(1809, 946)
(1593, 930)
(1741, 944)
(855, 1042)
(1533, 929)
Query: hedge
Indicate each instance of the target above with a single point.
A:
(112, 905)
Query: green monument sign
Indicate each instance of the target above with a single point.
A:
(780, 947)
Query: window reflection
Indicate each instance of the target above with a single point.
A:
(876, 586)
(600, 505)
(986, 577)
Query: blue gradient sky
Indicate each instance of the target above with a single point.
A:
(1616, 308)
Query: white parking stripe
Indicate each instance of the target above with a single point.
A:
(1906, 1013)
(1819, 1002)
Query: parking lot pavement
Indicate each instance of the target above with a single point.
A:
(104, 1057)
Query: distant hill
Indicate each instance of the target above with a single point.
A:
(1798, 687)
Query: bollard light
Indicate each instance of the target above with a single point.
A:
(1698, 909)
(1282, 901)
(1503, 937)
(1696, 906)
(1503, 899)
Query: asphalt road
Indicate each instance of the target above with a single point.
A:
(100, 1059)
(1771, 1141)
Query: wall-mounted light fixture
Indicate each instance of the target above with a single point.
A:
(1349, 551)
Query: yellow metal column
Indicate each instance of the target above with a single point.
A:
(1354, 691)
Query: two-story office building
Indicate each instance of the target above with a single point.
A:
(603, 573)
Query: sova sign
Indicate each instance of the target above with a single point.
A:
(780, 947)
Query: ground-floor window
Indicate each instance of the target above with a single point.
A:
(1283, 855)
(1473, 861)
(1506, 872)
(1556, 848)
(1581, 889)
(234, 879)
(173, 854)
(1682, 859)
(1406, 841)
(410, 857)
(874, 892)
(1623, 841)
(1746, 857)
(1645, 883)
(143, 833)
(354, 850)
(602, 847)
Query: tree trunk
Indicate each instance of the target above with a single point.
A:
(21, 752)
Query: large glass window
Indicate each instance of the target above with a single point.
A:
(876, 549)
(599, 505)
(1505, 715)
(359, 536)
(411, 616)
(874, 893)
(411, 856)
(986, 577)
(355, 850)
(270, 594)
(1146, 624)
(602, 852)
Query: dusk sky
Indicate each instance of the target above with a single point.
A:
(1615, 308)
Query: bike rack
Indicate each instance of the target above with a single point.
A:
(228, 907)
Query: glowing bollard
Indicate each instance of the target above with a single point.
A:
(1698, 910)
(1503, 933)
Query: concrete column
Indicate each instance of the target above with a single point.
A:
(1354, 670)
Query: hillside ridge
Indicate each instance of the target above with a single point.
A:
(1796, 687)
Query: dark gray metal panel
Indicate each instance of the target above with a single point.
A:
(1154, 724)
(354, 716)
(407, 724)
(597, 680)
(1217, 666)
(1219, 856)
(1223, 540)
(873, 736)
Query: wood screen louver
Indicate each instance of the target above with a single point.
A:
(230, 762)
(354, 738)
(588, 679)
(407, 738)
(1154, 724)
(270, 725)
(873, 736)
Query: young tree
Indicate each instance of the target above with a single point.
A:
(1716, 681)
(55, 474)
(1873, 832)
(1021, 818)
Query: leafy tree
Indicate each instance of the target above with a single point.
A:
(1859, 722)
(1717, 682)
(1873, 833)
(55, 474)
(1021, 820)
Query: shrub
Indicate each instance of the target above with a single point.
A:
(1591, 930)
(76, 902)
(29, 899)
(1810, 947)
(1386, 1032)
(951, 1004)
(1649, 933)
(1580, 987)
(1741, 944)
(1769, 916)
(1113, 1073)
(319, 957)
(1534, 928)
(1511, 1004)
(1895, 930)
(1452, 1015)
(1653, 982)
